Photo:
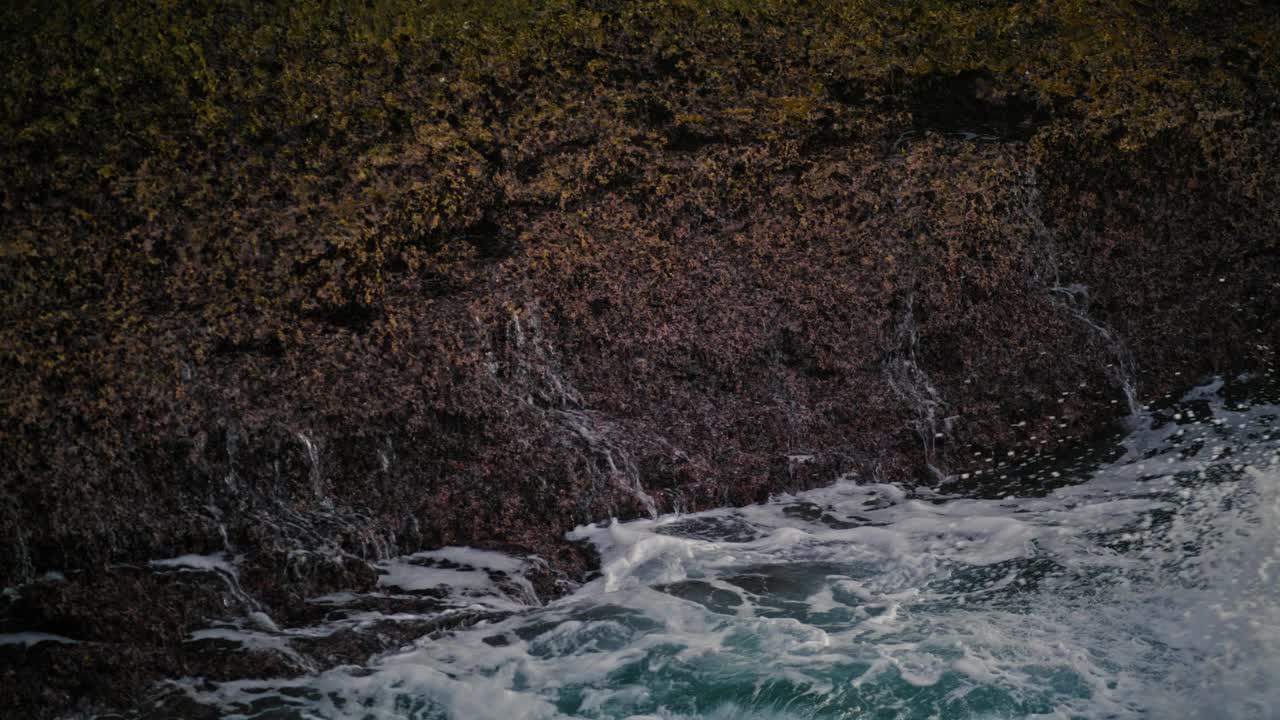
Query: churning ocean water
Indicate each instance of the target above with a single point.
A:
(1140, 579)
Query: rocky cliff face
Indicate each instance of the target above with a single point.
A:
(320, 286)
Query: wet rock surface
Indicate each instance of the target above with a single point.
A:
(499, 278)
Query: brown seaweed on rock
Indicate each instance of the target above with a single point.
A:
(327, 282)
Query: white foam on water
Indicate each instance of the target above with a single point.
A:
(255, 640)
(467, 577)
(214, 562)
(1150, 590)
(451, 581)
(34, 638)
(1229, 638)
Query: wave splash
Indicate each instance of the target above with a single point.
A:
(1148, 588)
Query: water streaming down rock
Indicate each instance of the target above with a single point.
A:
(911, 384)
(1148, 588)
(1075, 299)
(922, 375)
(313, 464)
(525, 366)
(1045, 274)
(615, 463)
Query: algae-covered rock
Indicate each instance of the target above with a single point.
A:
(376, 277)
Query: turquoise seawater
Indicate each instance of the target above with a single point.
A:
(1137, 579)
